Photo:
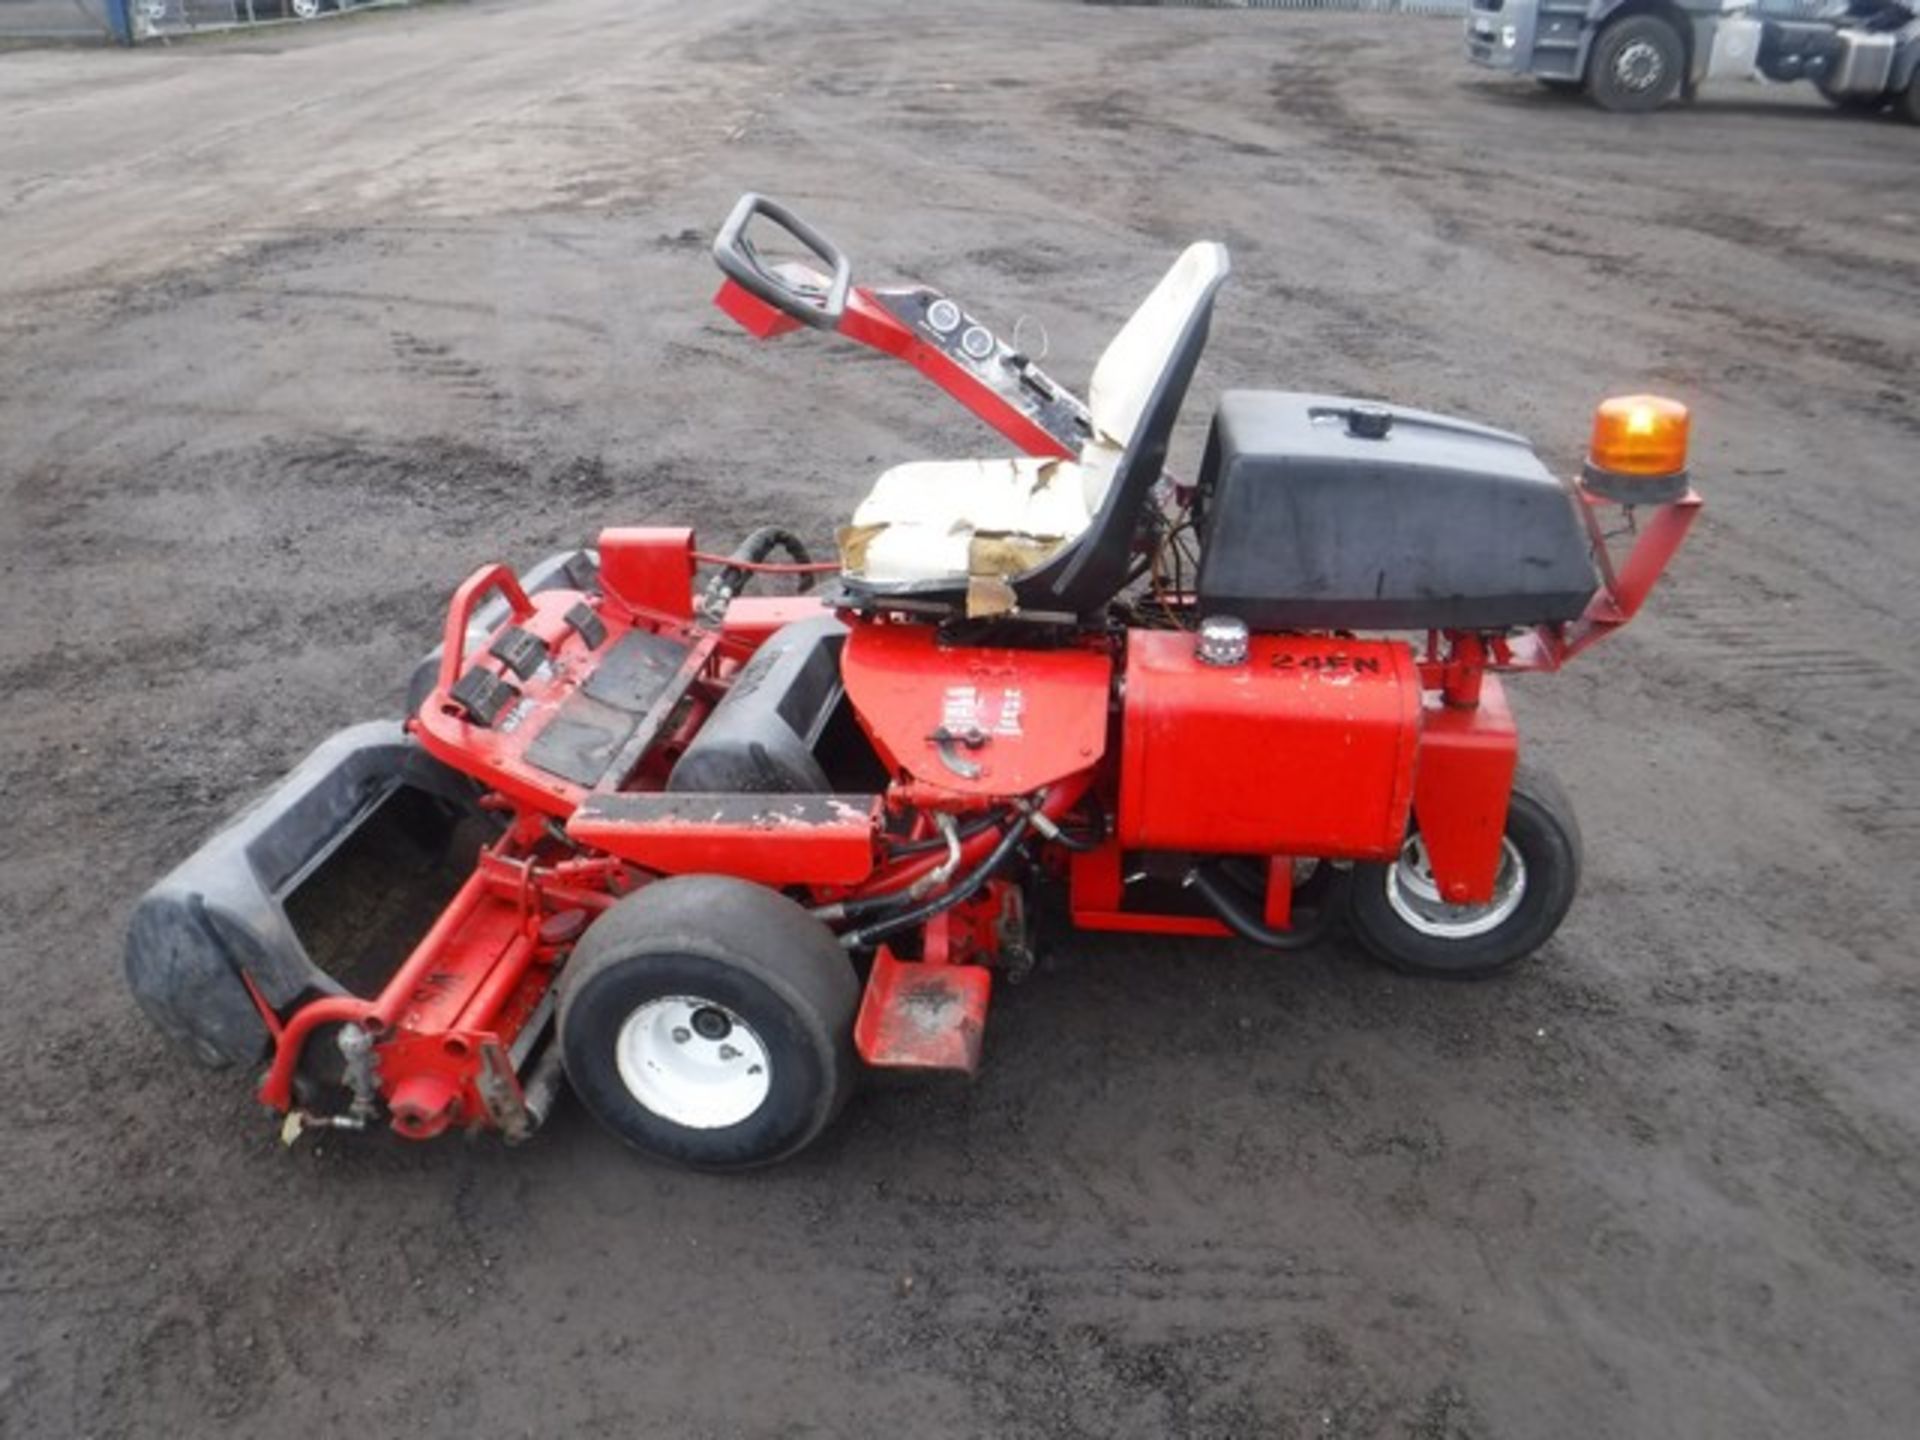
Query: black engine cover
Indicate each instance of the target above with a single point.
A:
(1327, 514)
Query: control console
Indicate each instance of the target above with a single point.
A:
(939, 321)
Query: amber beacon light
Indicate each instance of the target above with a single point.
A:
(1638, 454)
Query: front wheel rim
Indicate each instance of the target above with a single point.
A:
(1414, 894)
(693, 1062)
(1639, 67)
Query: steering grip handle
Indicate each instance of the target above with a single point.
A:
(734, 254)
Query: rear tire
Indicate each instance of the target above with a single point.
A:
(1856, 104)
(1400, 919)
(709, 1021)
(1638, 64)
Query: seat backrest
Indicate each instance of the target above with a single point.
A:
(1135, 397)
(1135, 358)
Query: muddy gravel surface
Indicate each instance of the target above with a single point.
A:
(298, 329)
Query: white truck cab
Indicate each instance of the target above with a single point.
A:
(1637, 55)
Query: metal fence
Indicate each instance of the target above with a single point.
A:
(1382, 7)
(134, 20)
(61, 20)
(131, 21)
(159, 19)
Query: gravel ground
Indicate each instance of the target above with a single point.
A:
(299, 328)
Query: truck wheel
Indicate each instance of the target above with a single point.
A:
(1637, 64)
(1398, 914)
(709, 1022)
(1856, 104)
(1909, 102)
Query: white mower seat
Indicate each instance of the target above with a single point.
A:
(956, 520)
(951, 519)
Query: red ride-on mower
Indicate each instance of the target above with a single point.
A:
(710, 852)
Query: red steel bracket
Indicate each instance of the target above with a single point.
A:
(1624, 590)
(1460, 790)
(649, 569)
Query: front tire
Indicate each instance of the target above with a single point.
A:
(1909, 102)
(709, 1022)
(1638, 64)
(1398, 915)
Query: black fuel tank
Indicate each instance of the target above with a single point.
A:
(1323, 513)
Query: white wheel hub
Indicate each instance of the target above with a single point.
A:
(1415, 895)
(693, 1062)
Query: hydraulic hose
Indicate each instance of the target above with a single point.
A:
(1229, 902)
(976, 840)
(868, 936)
(1052, 833)
(951, 837)
(901, 849)
(748, 557)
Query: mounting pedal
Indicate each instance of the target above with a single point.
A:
(484, 695)
(587, 625)
(922, 1017)
(582, 572)
(521, 651)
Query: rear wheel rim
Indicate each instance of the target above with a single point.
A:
(1414, 894)
(693, 1062)
(1639, 66)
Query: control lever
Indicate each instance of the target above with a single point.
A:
(947, 738)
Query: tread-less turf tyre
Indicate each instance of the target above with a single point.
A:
(1398, 914)
(1638, 64)
(709, 1021)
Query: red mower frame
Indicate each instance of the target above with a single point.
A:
(910, 871)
